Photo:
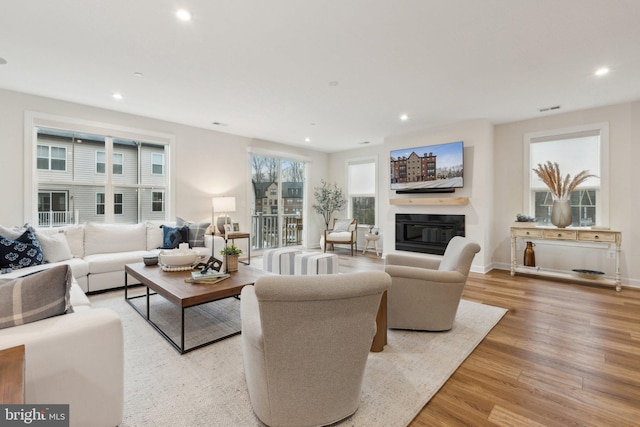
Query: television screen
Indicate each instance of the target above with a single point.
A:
(431, 167)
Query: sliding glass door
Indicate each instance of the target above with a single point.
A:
(278, 200)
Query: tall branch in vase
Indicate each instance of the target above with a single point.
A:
(330, 199)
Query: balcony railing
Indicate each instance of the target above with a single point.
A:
(54, 218)
(266, 233)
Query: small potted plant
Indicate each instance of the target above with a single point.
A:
(231, 253)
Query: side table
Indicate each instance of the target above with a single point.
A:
(12, 375)
(371, 238)
(233, 236)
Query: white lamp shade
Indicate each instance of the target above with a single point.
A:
(224, 204)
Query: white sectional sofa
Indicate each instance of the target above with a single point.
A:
(99, 252)
(75, 359)
(78, 358)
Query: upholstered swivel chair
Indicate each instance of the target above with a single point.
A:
(426, 291)
(305, 342)
(343, 232)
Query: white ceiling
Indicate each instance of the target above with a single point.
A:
(265, 68)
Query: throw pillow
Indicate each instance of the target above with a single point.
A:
(173, 236)
(54, 246)
(22, 252)
(341, 225)
(196, 231)
(35, 297)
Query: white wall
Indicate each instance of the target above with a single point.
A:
(478, 181)
(624, 149)
(207, 162)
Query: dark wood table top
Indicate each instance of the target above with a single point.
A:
(172, 286)
(12, 375)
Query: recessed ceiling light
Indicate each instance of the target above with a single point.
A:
(404, 117)
(307, 139)
(138, 74)
(219, 124)
(602, 71)
(333, 83)
(183, 15)
(117, 95)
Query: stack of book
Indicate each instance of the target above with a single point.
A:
(209, 277)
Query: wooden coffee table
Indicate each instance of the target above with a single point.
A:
(12, 375)
(172, 287)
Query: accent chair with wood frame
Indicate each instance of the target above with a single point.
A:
(343, 232)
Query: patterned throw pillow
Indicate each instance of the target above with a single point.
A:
(341, 225)
(22, 252)
(173, 236)
(35, 297)
(196, 231)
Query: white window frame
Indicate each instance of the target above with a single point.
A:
(34, 120)
(602, 203)
(103, 204)
(113, 162)
(375, 194)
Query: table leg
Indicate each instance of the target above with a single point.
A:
(380, 338)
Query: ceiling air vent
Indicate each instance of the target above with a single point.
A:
(555, 107)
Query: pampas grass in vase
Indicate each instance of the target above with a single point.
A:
(561, 189)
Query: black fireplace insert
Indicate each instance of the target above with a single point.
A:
(427, 233)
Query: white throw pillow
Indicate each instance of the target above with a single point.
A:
(54, 246)
(342, 225)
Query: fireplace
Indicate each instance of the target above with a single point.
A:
(427, 233)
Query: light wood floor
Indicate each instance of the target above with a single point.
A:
(564, 355)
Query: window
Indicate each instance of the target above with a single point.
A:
(157, 164)
(577, 149)
(118, 203)
(116, 166)
(51, 158)
(106, 178)
(362, 181)
(117, 163)
(100, 162)
(157, 201)
(100, 204)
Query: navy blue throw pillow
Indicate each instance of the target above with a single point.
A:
(173, 236)
(22, 252)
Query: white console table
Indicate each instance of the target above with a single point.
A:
(578, 235)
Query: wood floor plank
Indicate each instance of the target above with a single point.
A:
(564, 354)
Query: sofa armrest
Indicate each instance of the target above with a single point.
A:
(75, 359)
(435, 276)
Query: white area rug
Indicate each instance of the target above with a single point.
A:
(207, 387)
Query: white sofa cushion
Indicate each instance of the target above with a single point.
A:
(111, 238)
(155, 233)
(55, 246)
(106, 263)
(340, 236)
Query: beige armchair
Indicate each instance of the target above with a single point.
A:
(426, 291)
(305, 342)
(343, 232)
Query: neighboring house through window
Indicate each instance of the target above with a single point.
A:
(80, 175)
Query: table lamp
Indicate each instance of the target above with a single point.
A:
(223, 205)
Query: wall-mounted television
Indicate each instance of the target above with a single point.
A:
(428, 169)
